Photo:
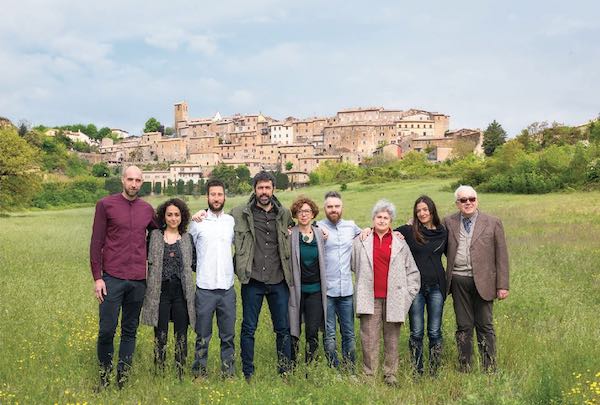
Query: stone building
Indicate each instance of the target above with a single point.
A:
(262, 142)
(281, 132)
(292, 153)
(171, 150)
(306, 130)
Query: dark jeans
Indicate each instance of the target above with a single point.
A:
(252, 298)
(473, 311)
(343, 309)
(172, 306)
(127, 295)
(311, 309)
(209, 302)
(429, 297)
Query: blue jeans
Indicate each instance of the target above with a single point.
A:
(429, 296)
(432, 297)
(343, 308)
(252, 298)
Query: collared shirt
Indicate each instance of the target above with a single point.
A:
(266, 264)
(382, 251)
(338, 253)
(462, 261)
(118, 245)
(213, 238)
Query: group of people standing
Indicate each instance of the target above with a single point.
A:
(304, 269)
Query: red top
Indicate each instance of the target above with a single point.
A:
(382, 251)
(118, 245)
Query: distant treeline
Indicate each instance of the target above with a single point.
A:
(543, 158)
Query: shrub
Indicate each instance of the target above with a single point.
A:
(146, 189)
(113, 185)
(80, 191)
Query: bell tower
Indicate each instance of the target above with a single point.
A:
(181, 115)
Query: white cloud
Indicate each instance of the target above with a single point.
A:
(202, 43)
(166, 38)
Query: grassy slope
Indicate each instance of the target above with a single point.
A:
(547, 330)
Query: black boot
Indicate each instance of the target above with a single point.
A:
(123, 370)
(160, 351)
(104, 378)
(416, 354)
(487, 352)
(465, 349)
(435, 358)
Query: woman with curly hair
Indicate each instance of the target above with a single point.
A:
(308, 294)
(170, 282)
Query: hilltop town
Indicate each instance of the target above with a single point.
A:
(294, 146)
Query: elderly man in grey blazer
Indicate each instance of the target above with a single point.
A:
(477, 273)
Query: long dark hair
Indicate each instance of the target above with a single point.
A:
(183, 208)
(416, 225)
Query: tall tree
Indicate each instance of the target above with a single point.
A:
(157, 187)
(100, 170)
(19, 179)
(180, 187)
(493, 137)
(227, 175)
(24, 127)
(91, 131)
(152, 125)
(103, 133)
(243, 173)
(189, 187)
(594, 129)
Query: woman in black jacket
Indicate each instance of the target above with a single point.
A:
(427, 239)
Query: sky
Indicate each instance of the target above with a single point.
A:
(116, 63)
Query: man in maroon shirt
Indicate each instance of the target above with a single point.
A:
(118, 262)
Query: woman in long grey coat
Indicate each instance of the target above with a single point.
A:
(308, 294)
(170, 284)
(387, 280)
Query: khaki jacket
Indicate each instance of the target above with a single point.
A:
(244, 239)
(404, 279)
(489, 253)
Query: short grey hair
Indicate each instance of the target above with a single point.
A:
(333, 194)
(464, 189)
(384, 205)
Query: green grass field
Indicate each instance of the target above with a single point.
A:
(548, 329)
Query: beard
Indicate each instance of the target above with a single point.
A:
(216, 207)
(131, 192)
(334, 216)
(264, 199)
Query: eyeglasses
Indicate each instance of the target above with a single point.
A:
(464, 200)
(307, 212)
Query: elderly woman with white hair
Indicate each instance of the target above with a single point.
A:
(387, 280)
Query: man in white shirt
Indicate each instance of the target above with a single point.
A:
(213, 238)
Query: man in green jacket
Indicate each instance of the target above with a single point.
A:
(262, 253)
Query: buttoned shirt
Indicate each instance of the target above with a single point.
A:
(462, 261)
(118, 245)
(213, 238)
(266, 264)
(338, 253)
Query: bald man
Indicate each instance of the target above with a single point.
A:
(118, 262)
